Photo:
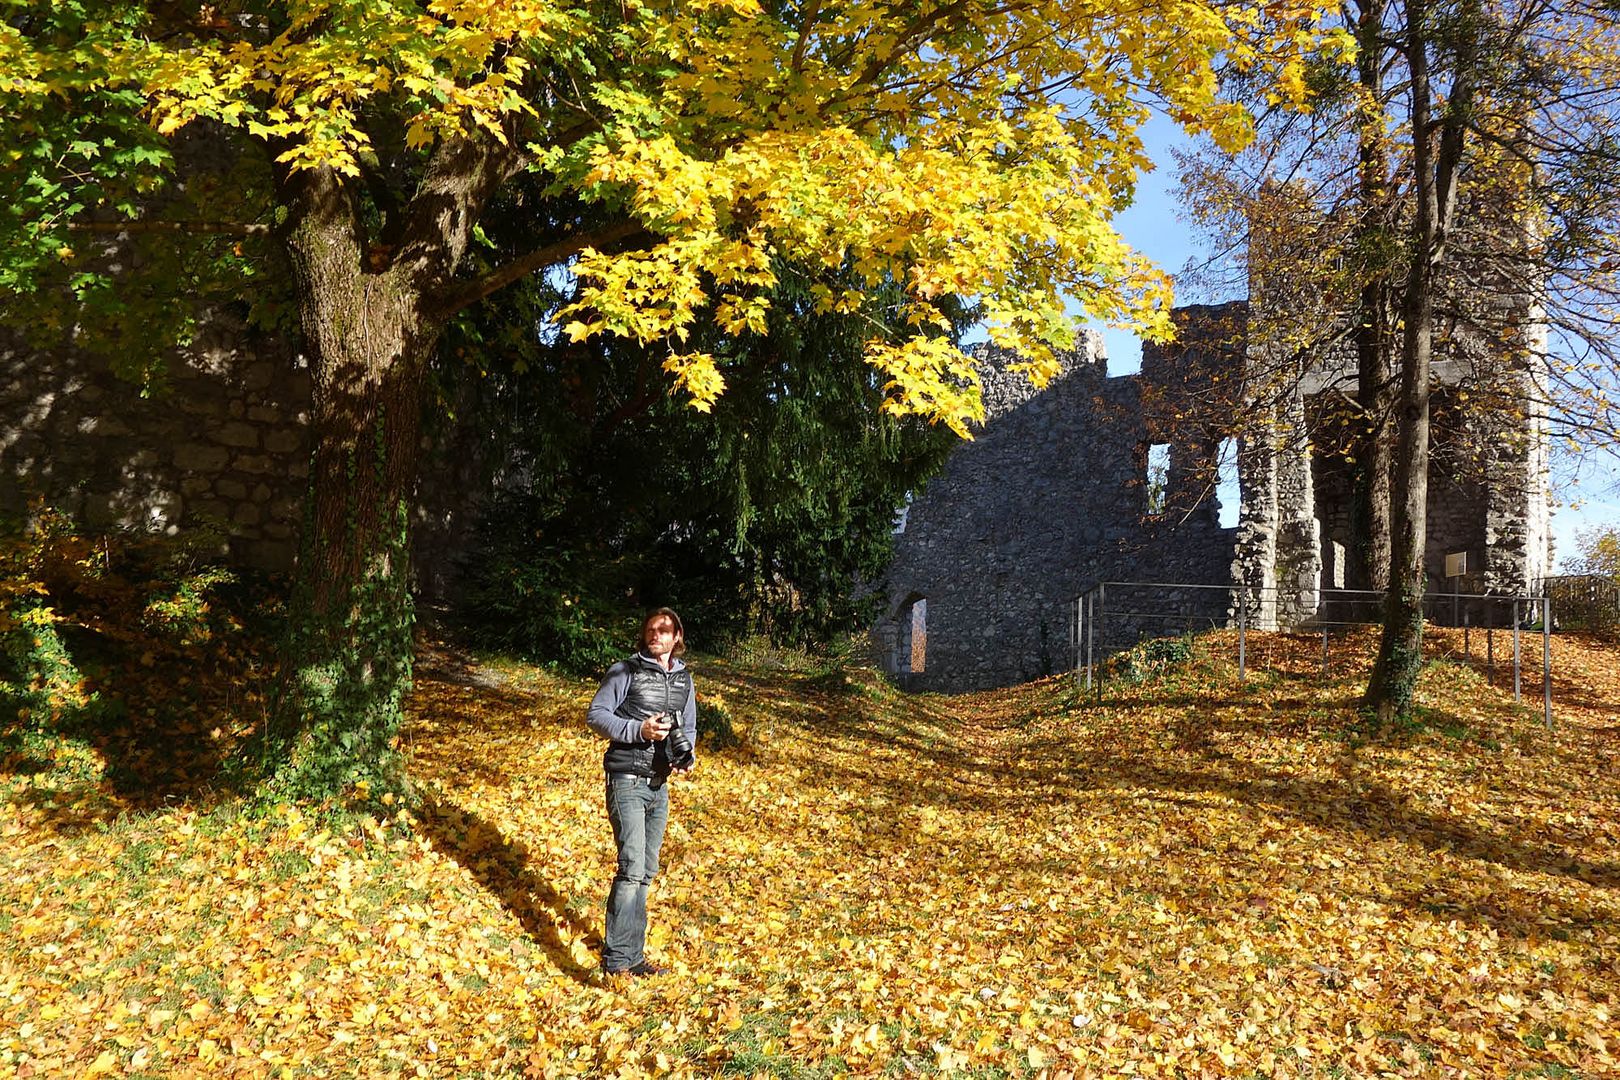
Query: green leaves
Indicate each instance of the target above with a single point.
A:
(973, 151)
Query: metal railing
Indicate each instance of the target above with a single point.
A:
(1113, 616)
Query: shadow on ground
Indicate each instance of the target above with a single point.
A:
(1074, 757)
(502, 866)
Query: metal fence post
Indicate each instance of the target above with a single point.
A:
(1098, 613)
(1243, 629)
(1546, 660)
(1077, 625)
(1091, 638)
(1490, 645)
(1516, 667)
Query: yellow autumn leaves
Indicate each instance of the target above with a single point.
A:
(1192, 879)
(941, 215)
(964, 150)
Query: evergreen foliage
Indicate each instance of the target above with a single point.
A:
(764, 515)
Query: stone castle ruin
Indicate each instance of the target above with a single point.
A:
(1097, 478)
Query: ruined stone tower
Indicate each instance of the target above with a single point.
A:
(1097, 479)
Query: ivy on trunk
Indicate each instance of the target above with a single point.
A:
(370, 326)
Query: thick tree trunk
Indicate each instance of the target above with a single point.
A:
(371, 315)
(349, 655)
(347, 665)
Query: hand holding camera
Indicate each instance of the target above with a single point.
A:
(656, 727)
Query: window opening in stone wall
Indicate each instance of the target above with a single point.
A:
(919, 634)
(1158, 477)
(1228, 491)
(901, 515)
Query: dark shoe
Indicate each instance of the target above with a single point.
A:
(646, 968)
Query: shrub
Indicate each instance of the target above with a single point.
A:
(86, 618)
(1152, 658)
(40, 684)
(184, 613)
(541, 602)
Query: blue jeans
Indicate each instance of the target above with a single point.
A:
(639, 813)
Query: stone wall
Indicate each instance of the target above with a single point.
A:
(218, 450)
(1048, 499)
(1051, 498)
(220, 446)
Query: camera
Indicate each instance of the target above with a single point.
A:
(677, 745)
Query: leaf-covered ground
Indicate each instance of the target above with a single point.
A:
(1191, 878)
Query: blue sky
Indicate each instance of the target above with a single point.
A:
(1587, 494)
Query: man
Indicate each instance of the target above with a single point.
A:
(647, 707)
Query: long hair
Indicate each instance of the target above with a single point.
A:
(675, 621)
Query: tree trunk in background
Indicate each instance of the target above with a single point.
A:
(1437, 154)
(1400, 650)
(1370, 510)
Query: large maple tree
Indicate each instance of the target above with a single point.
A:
(973, 148)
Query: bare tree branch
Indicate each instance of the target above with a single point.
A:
(811, 11)
(223, 228)
(465, 294)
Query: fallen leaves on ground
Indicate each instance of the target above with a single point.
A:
(1190, 878)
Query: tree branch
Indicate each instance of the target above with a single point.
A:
(644, 397)
(225, 228)
(465, 294)
(810, 14)
(921, 27)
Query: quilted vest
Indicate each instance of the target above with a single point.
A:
(652, 691)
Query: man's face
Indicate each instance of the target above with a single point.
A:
(660, 637)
